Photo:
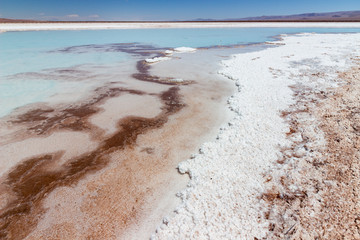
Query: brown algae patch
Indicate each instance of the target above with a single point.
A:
(144, 75)
(42, 121)
(134, 107)
(31, 181)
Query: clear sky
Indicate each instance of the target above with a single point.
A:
(164, 9)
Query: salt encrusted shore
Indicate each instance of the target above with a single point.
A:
(141, 25)
(267, 158)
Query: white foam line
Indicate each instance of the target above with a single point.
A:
(97, 26)
(222, 199)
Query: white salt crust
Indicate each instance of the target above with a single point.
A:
(222, 199)
(177, 80)
(156, 59)
(170, 53)
(142, 25)
(184, 49)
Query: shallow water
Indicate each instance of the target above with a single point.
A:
(125, 137)
(33, 52)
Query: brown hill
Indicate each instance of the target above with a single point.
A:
(331, 16)
(7, 20)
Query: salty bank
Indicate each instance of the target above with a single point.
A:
(270, 174)
(144, 25)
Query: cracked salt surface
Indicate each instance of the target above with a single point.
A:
(222, 200)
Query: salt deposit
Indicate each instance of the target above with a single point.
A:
(177, 80)
(169, 52)
(184, 49)
(222, 200)
(156, 59)
(142, 25)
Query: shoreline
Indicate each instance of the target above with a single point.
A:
(237, 186)
(5, 27)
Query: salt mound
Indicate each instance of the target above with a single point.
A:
(156, 59)
(177, 80)
(169, 52)
(184, 49)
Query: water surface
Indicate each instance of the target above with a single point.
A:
(24, 52)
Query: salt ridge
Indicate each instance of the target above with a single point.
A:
(184, 49)
(222, 200)
(144, 25)
(169, 53)
(156, 59)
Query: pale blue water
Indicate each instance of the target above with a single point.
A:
(22, 52)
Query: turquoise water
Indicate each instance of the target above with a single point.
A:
(15, 93)
(22, 52)
(29, 51)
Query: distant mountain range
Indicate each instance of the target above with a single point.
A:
(344, 16)
(348, 16)
(331, 16)
(6, 20)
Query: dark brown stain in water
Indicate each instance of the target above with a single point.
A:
(144, 75)
(34, 115)
(32, 180)
(73, 118)
(134, 49)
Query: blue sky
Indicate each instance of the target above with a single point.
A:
(164, 9)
